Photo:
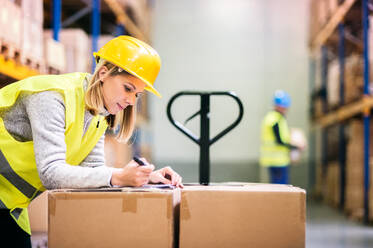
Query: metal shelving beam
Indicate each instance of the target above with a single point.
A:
(96, 28)
(11, 69)
(123, 19)
(345, 112)
(323, 35)
(366, 112)
(324, 132)
(312, 132)
(56, 23)
(342, 138)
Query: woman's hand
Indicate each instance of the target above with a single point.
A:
(166, 175)
(132, 174)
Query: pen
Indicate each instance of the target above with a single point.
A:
(137, 160)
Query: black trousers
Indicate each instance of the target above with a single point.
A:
(11, 235)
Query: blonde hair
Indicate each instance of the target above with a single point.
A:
(94, 101)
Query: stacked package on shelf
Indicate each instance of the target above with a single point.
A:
(321, 12)
(332, 190)
(354, 78)
(140, 13)
(54, 54)
(354, 193)
(32, 49)
(77, 51)
(102, 40)
(333, 84)
(10, 27)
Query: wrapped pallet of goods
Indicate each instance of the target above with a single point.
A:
(32, 49)
(354, 192)
(140, 13)
(77, 51)
(10, 28)
(333, 84)
(332, 189)
(54, 54)
(102, 40)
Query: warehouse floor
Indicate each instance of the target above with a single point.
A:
(329, 227)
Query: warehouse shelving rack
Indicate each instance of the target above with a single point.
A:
(12, 70)
(345, 111)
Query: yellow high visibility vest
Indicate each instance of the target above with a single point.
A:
(272, 153)
(19, 179)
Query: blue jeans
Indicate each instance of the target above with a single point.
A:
(279, 175)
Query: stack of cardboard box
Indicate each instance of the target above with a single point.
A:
(332, 189)
(54, 54)
(10, 27)
(321, 12)
(354, 194)
(77, 51)
(222, 215)
(32, 49)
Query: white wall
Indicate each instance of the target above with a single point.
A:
(252, 47)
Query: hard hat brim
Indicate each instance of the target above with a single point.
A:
(149, 87)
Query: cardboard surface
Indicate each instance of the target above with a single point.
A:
(38, 213)
(115, 217)
(250, 215)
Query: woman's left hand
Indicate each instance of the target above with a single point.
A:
(166, 175)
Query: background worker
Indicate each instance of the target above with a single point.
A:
(275, 140)
(52, 131)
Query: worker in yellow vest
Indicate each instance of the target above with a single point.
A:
(52, 131)
(275, 140)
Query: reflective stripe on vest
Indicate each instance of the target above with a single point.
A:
(19, 178)
(272, 153)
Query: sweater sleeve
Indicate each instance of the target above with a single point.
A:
(276, 131)
(46, 112)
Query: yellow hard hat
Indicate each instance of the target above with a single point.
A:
(135, 56)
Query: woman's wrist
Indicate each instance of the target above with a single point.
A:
(115, 181)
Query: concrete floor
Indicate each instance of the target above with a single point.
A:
(329, 227)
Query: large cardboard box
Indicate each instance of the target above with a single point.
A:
(252, 215)
(38, 213)
(54, 53)
(115, 217)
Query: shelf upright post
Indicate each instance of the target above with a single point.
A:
(56, 20)
(324, 132)
(367, 110)
(95, 28)
(312, 141)
(120, 30)
(342, 138)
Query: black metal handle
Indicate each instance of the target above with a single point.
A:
(204, 140)
(235, 123)
(177, 124)
(189, 133)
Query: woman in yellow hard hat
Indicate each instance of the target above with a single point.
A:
(52, 131)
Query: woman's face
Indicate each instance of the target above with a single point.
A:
(119, 91)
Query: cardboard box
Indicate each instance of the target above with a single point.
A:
(252, 215)
(32, 40)
(38, 213)
(32, 9)
(114, 217)
(10, 23)
(54, 53)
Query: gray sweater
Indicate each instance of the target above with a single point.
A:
(40, 117)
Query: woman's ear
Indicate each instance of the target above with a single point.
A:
(102, 72)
